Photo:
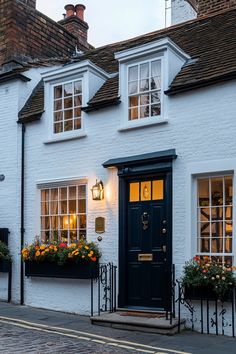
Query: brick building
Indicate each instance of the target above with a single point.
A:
(151, 117)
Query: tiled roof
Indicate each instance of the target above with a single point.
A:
(107, 95)
(209, 41)
(34, 107)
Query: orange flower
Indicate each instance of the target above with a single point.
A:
(93, 259)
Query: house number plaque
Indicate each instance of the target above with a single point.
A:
(100, 225)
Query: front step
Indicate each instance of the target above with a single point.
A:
(151, 323)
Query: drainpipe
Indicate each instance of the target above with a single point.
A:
(22, 228)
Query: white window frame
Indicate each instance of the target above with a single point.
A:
(58, 185)
(73, 131)
(139, 93)
(197, 208)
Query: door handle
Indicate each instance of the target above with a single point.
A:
(164, 231)
(145, 220)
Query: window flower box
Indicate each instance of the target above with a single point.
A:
(5, 265)
(204, 278)
(71, 270)
(79, 260)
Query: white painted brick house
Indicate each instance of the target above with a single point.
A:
(153, 119)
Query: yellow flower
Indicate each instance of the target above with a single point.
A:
(37, 254)
(86, 247)
(89, 255)
(91, 252)
(76, 253)
(83, 256)
(47, 250)
(42, 247)
(43, 253)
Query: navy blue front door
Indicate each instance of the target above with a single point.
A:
(148, 247)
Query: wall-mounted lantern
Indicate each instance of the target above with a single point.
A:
(98, 191)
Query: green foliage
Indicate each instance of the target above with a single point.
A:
(4, 252)
(206, 273)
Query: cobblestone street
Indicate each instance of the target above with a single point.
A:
(15, 339)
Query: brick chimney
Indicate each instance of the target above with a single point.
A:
(30, 3)
(207, 7)
(74, 22)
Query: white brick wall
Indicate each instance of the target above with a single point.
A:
(200, 127)
(181, 11)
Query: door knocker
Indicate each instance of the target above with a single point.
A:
(145, 220)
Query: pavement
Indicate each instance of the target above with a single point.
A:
(29, 330)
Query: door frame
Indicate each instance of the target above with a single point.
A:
(126, 175)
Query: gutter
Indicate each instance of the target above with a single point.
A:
(22, 213)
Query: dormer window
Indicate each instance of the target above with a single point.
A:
(67, 107)
(144, 90)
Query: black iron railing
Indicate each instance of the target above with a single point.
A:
(103, 290)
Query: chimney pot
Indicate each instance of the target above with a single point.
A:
(70, 10)
(80, 11)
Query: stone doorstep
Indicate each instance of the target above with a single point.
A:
(136, 323)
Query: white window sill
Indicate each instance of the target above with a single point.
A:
(60, 138)
(142, 123)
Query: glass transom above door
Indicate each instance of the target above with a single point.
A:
(146, 191)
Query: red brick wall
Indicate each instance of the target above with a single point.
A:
(27, 33)
(206, 7)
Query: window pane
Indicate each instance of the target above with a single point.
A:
(155, 110)
(134, 192)
(77, 123)
(228, 190)
(54, 194)
(68, 125)
(64, 236)
(44, 208)
(144, 71)
(144, 100)
(217, 229)
(133, 113)
(205, 245)
(145, 191)
(68, 89)
(217, 245)
(77, 101)
(82, 222)
(229, 213)
(217, 213)
(133, 73)
(58, 91)
(217, 191)
(54, 223)
(72, 206)
(133, 101)
(63, 193)
(73, 236)
(144, 111)
(63, 205)
(77, 87)
(155, 97)
(57, 105)
(144, 85)
(45, 223)
(58, 128)
(64, 222)
(54, 208)
(73, 222)
(228, 245)
(58, 116)
(81, 192)
(203, 192)
(155, 83)
(72, 192)
(133, 87)
(229, 228)
(156, 68)
(204, 229)
(158, 190)
(68, 102)
(204, 214)
(77, 112)
(82, 234)
(68, 114)
(81, 206)
(45, 195)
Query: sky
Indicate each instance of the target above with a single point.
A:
(112, 20)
